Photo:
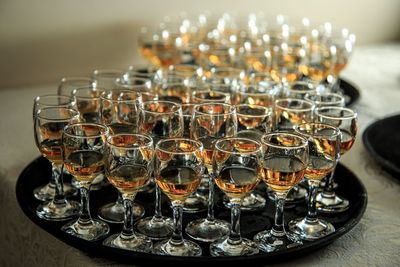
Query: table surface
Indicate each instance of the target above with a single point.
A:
(375, 241)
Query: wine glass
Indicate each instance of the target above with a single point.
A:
(48, 127)
(324, 149)
(261, 95)
(105, 78)
(325, 99)
(178, 170)
(87, 101)
(346, 120)
(210, 122)
(300, 89)
(84, 146)
(160, 120)
(68, 84)
(128, 166)
(173, 88)
(119, 112)
(164, 49)
(47, 192)
(285, 158)
(197, 201)
(253, 122)
(236, 163)
(289, 112)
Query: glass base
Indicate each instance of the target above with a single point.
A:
(114, 212)
(251, 202)
(310, 230)
(225, 247)
(92, 231)
(269, 241)
(331, 203)
(195, 203)
(53, 211)
(134, 243)
(48, 191)
(186, 248)
(207, 230)
(155, 228)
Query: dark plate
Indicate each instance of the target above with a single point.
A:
(38, 172)
(382, 140)
(350, 91)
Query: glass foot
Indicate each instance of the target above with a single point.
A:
(58, 211)
(195, 203)
(155, 228)
(135, 243)
(91, 231)
(114, 212)
(207, 230)
(186, 248)
(48, 191)
(310, 229)
(251, 202)
(331, 203)
(269, 241)
(226, 247)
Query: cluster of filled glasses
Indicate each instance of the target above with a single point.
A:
(179, 129)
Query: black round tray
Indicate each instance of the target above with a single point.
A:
(38, 172)
(382, 140)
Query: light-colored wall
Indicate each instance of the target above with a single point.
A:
(44, 40)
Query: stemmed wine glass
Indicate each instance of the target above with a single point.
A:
(128, 166)
(160, 120)
(210, 122)
(47, 192)
(48, 127)
(119, 112)
(324, 149)
(84, 146)
(346, 120)
(178, 170)
(236, 163)
(253, 122)
(285, 158)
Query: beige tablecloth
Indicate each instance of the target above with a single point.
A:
(375, 241)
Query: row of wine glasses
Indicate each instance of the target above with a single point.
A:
(82, 150)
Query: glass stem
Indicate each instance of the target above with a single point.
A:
(210, 210)
(234, 235)
(177, 238)
(329, 184)
(311, 200)
(158, 212)
(84, 218)
(120, 199)
(57, 178)
(278, 228)
(127, 229)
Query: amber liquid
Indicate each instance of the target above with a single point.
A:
(165, 55)
(235, 182)
(286, 119)
(282, 173)
(146, 49)
(318, 167)
(52, 150)
(84, 165)
(346, 142)
(178, 182)
(128, 178)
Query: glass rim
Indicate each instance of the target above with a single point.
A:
(232, 109)
(72, 125)
(148, 141)
(226, 95)
(175, 139)
(101, 90)
(37, 99)
(175, 106)
(75, 78)
(38, 114)
(340, 98)
(120, 91)
(268, 110)
(107, 72)
(277, 101)
(304, 141)
(352, 115)
(336, 130)
(238, 152)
